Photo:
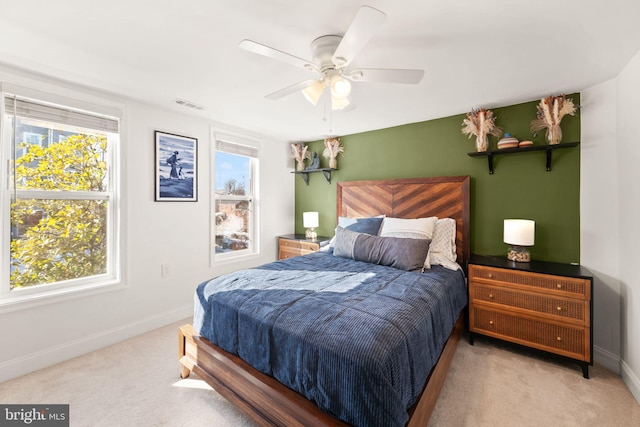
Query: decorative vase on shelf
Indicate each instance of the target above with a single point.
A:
(550, 112)
(332, 148)
(300, 152)
(482, 143)
(480, 123)
(554, 134)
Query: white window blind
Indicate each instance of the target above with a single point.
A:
(235, 148)
(50, 113)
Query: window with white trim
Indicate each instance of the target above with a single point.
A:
(60, 198)
(235, 198)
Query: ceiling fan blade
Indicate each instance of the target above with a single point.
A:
(270, 52)
(386, 75)
(290, 89)
(366, 23)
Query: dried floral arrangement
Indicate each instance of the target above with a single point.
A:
(300, 152)
(332, 148)
(480, 123)
(551, 110)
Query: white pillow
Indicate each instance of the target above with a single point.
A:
(443, 245)
(421, 228)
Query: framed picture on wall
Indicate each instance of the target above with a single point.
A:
(176, 168)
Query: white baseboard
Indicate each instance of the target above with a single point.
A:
(631, 380)
(607, 359)
(59, 353)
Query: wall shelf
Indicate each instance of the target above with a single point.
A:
(548, 148)
(325, 171)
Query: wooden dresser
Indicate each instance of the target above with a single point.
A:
(292, 245)
(542, 305)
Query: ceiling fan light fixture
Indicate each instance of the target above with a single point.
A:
(340, 87)
(339, 103)
(313, 92)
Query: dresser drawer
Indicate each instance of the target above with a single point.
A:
(289, 248)
(565, 339)
(286, 252)
(560, 285)
(576, 310)
(286, 243)
(308, 247)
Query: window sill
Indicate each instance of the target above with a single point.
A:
(29, 301)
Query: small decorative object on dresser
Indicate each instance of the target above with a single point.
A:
(291, 245)
(332, 148)
(551, 110)
(543, 305)
(481, 123)
(300, 152)
(310, 221)
(519, 233)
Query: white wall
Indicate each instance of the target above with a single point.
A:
(156, 233)
(599, 229)
(628, 132)
(610, 209)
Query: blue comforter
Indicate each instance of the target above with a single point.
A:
(357, 339)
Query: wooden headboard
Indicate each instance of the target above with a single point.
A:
(444, 197)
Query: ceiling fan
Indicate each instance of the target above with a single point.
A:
(331, 56)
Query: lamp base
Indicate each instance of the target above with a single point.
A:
(518, 254)
(311, 234)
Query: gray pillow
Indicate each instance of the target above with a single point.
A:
(345, 242)
(401, 253)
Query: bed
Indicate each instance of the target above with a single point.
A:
(253, 387)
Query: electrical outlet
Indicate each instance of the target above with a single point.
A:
(165, 270)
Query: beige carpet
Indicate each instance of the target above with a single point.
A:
(488, 385)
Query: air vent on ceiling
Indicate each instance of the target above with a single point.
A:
(190, 104)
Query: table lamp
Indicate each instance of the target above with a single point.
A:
(310, 222)
(519, 233)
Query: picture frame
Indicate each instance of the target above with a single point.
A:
(176, 166)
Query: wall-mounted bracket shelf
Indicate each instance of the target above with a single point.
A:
(548, 148)
(325, 171)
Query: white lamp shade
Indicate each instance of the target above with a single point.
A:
(339, 103)
(340, 87)
(313, 92)
(310, 219)
(520, 232)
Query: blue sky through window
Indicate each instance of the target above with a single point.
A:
(232, 166)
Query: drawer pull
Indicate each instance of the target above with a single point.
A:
(491, 322)
(559, 338)
(559, 308)
(490, 275)
(491, 296)
(559, 285)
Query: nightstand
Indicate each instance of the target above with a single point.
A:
(542, 305)
(291, 245)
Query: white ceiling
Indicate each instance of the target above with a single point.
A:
(475, 53)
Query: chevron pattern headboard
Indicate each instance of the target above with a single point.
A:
(444, 197)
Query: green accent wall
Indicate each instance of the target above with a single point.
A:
(520, 187)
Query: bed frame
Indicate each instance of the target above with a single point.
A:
(268, 402)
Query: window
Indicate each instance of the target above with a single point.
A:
(28, 139)
(235, 209)
(60, 200)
